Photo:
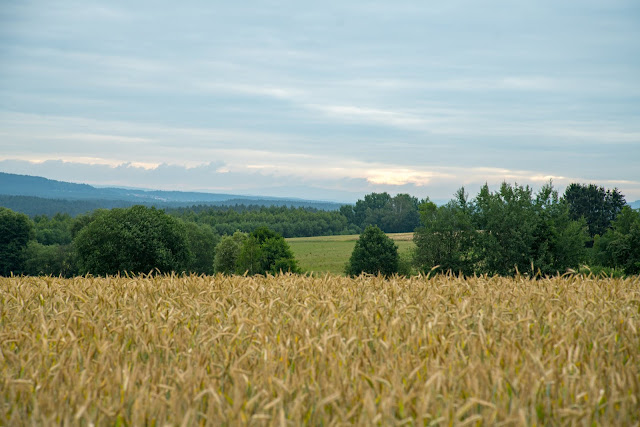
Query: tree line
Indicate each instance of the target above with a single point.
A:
(395, 214)
(500, 232)
(514, 230)
(143, 238)
(138, 239)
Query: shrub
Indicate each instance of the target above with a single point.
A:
(374, 253)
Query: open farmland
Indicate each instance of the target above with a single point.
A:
(329, 254)
(294, 349)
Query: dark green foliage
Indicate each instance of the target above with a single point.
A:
(405, 264)
(227, 252)
(36, 206)
(559, 241)
(527, 234)
(16, 230)
(500, 233)
(288, 222)
(55, 230)
(446, 237)
(202, 245)
(265, 251)
(55, 260)
(598, 206)
(619, 247)
(137, 239)
(249, 258)
(507, 221)
(391, 214)
(374, 253)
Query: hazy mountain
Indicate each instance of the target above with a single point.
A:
(36, 195)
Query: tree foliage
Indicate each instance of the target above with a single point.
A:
(391, 214)
(496, 232)
(15, 232)
(202, 245)
(599, 207)
(265, 251)
(137, 239)
(286, 221)
(446, 237)
(54, 260)
(227, 252)
(500, 233)
(619, 247)
(374, 253)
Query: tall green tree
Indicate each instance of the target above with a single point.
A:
(16, 230)
(372, 210)
(374, 253)
(202, 244)
(620, 245)
(137, 239)
(404, 215)
(559, 242)
(391, 214)
(599, 207)
(266, 251)
(446, 236)
(227, 252)
(507, 223)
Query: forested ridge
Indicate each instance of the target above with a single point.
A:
(503, 232)
(34, 195)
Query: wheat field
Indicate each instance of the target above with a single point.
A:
(301, 350)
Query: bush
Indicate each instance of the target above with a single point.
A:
(374, 253)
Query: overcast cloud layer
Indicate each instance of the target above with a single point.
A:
(326, 100)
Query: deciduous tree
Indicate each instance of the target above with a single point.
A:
(598, 206)
(137, 239)
(227, 252)
(16, 230)
(446, 236)
(266, 251)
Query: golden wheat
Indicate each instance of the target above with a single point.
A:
(333, 350)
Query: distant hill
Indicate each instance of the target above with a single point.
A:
(634, 205)
(41, 196)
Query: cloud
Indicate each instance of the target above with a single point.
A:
(354, 97)
(334, 181)
(403, 176)
(371, 115)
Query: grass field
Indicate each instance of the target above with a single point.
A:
(293, 350)
(328, 254)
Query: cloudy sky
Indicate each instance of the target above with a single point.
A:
(326, 100)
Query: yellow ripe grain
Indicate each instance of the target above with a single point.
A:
(198, 350)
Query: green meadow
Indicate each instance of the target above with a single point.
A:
(329, 254)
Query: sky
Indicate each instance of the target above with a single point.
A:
(322, 100)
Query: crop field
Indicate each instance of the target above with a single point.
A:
(329, 254)
(310, 350)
